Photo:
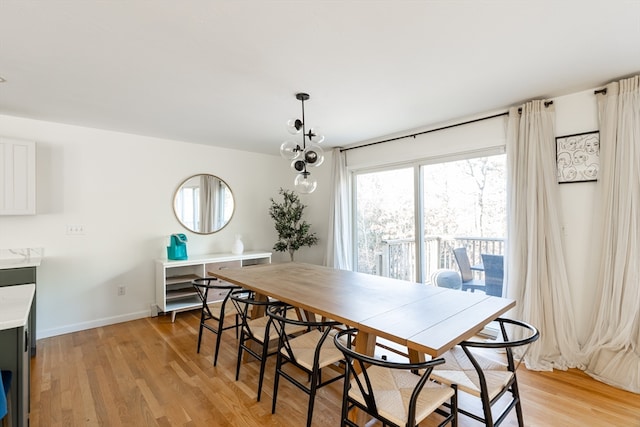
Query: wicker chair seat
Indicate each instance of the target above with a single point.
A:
(393, 391)
(304, 347)
(458, 370)
(259, 325)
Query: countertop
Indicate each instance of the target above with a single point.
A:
(19, 258)
(15, 303)
(19, 263)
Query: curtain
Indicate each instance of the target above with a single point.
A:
(613, 347)
(535, 272)
(207, 186)
(339, 249)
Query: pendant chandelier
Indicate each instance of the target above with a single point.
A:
(305, 156)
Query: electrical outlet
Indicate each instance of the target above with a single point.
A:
(122, 290)
(75, 230)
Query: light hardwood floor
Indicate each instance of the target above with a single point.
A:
(147, 373)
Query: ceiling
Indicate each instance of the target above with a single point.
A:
(225, 73)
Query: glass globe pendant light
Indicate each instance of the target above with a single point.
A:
(304, 183)
(308, 154)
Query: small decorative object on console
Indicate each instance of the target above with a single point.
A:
(178, 247)
(238, 246)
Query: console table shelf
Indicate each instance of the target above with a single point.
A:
(174, 292)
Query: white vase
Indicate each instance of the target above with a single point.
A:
(238, 246)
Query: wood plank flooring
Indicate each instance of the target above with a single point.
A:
(147, 373)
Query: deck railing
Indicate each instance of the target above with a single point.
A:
(397, 257)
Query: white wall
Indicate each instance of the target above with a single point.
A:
(578, 113)
(120, 188)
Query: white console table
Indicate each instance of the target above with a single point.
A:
(174, 292)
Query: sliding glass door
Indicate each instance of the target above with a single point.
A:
(464, 206)
(408, 219)
(385, 223)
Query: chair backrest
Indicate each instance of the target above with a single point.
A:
(528, 333)
(493, 274)
(277, 311)
(446, 279)
(244, 302)
(361, 363)
(464, 265)
(203, 285)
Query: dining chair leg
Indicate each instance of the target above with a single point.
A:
(276, 381)
(202, 321)
(200, 333)
(516, 396)
(263, 363)
(218, 335)
(240, 352)
(486, 408)
(237, 325)
(312, 396)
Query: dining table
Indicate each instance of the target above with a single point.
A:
(424, 318)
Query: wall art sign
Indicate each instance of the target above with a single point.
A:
(578, 157)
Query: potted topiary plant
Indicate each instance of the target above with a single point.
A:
(293, 231)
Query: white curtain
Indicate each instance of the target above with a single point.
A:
(339, 247)
(614, 346)
(535, 273)
(206, 203)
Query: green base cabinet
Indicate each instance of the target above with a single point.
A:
(23, 276)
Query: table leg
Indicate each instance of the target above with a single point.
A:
(416, 357)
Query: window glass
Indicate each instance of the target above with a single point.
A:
(386, 223)
(463, 203)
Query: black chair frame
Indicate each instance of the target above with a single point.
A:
(285, 355)
(512, 385)
(362, 361)
(244, 301)
(202, 287)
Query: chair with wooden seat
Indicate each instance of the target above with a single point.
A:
(256, 333)
(493, 274)
(487, 369)
(214, 295)
(309, 352)
(464, 265)
(396, 393)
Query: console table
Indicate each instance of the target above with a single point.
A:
(174, 292)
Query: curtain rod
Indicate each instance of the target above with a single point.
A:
(413, 135)
(602, 91)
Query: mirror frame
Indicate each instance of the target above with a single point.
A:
(175, 197)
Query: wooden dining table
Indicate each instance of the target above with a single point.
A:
(424, 318)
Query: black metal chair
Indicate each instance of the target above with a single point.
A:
(256, 334)
(310, 352)
(396, 393)
(468, 282)
(214, 295)
(488, 374)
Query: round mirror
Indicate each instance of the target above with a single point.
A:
(203, 204)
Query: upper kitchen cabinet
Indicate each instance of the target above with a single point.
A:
(17, 177)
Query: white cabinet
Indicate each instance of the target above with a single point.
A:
(174, 291)
(17, 177)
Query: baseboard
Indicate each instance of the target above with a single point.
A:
(106, 321)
